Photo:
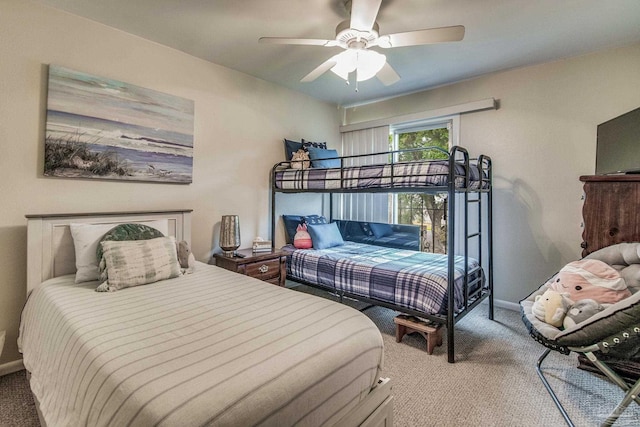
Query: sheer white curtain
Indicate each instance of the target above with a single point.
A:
(372, 207)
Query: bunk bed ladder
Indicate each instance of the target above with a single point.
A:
(483, 236)
(485, 186)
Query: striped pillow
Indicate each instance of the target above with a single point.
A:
(139, 262)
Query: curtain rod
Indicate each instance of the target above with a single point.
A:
(469, 107)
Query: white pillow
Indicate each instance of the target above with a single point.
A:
(139, 262)
(86, 238)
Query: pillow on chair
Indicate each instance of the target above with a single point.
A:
(590, 279)
(625, 258)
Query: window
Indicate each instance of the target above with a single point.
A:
(429, 211)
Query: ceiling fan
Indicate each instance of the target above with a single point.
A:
(358, 35)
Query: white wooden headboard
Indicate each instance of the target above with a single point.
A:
(50, 250)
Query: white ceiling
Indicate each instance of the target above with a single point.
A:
(500, 34)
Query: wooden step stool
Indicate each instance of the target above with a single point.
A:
(409, 324)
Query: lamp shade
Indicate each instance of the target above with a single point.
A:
(365, 62)
(230, 234)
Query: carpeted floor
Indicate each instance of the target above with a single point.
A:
(16, 403)
(492, 383)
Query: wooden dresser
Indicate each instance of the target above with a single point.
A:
(611, 211)
(268, 266)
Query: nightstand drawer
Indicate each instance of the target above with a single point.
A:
(264, 270)
(267, 266)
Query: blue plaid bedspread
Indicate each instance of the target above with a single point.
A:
(415, 280)
(399, 175)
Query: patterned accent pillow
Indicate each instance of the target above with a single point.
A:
(122, 232)
(314, 219)
(86, 240)
(366, 229)
(139, 262)
(306, 144)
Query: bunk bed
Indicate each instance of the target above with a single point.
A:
(468, 281)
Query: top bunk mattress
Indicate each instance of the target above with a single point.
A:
(213, 347)
(423, 173)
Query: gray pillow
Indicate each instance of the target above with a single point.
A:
(139, 262)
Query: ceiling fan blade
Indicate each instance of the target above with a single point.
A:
(387, 75)
(319, 70)
(428, 36)
(286, 40)
(364, 13)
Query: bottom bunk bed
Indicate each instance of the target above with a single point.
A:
(411, 282)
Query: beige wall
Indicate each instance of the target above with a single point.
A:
(239, 125)
(541, 139)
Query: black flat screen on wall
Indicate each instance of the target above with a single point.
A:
(618, 144)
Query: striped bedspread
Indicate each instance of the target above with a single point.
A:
(404, 174)
(415, 280)
(211, 348)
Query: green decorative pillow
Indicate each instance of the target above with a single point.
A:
(138, 262)
(125, 232)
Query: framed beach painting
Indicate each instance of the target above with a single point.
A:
(106, 129)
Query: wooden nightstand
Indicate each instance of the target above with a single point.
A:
(268, 266)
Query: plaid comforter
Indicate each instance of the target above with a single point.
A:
(399, 175)
(410, 279)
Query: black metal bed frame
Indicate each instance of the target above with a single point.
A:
(459, 156)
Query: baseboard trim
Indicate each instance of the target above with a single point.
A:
(11, 367)
(506, 304)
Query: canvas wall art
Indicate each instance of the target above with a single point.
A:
(106, 129)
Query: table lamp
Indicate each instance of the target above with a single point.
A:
(229, 234)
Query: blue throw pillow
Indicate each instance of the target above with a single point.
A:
(380, 230)
(318, 156)
(291, 147)
(291, 223)
(325, 235)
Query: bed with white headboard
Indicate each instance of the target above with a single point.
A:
(50, 251)
(208, 348)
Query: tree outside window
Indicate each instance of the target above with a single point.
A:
(427, 210)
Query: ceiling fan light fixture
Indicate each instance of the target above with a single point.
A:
(365, 62)
(346, 63)
(370, 63)
(357, 35)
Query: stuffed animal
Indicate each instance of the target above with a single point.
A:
(590, 279)
(581, 311)
(300, 160)
(551, 307)
(302, 239)
(185, 257)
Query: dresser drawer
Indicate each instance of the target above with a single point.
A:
(264, 270)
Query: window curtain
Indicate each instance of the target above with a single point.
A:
(373, 207)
